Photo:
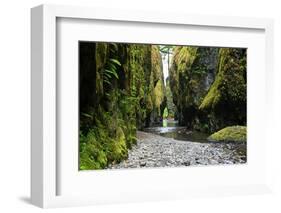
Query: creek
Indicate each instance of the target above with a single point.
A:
(170, 129)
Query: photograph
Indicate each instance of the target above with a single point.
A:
(158, 105)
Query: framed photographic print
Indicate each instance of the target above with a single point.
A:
(132, 105)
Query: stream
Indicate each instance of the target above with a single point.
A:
(171, 145)
(170, 129)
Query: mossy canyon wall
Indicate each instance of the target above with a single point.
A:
(121, 90)
(209, 87)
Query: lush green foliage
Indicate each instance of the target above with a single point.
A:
(105, 142)
(230, 79)
(170, 104)
(122, 89)
(209, 87)
(126, 90)
(226, 100)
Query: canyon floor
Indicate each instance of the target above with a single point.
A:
(154, 150)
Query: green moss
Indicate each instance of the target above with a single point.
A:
(117, 149)
(209, 86)
(101, 57)
(177, 73)
(156, 63)
(106, 141)
(99, 147)
(225, 102)
(149, 103)
(184, 57)
(158, 94)
(230, 82)
(170, 104)
(92, 156)
(165, 113)
(230, 134)
(109, 123)
(157, 83)
(187, 80)
(213, 97)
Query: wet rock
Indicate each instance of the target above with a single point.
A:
(186, 163)
(243, 158)
(157, 151)
(142, 163)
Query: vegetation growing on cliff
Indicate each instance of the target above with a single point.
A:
(171, 108)
(121, 90)
(226, 99)
(191, 74)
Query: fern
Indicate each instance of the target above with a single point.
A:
(110, 73)
(115, 61)
(110, 70)
(87, 115)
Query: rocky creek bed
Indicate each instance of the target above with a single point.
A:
(154, 150)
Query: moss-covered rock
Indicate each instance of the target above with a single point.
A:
(225, 103)
(171, 108)
(92, 155)
(230, 134)
(209, 87)
(156, 89)
(117, 150)
(191, 74)
(121, 90)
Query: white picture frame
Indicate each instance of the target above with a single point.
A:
(44, 150)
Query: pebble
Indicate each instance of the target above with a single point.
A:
(142, 164)
(156, 151)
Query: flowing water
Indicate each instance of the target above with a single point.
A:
(170, 129)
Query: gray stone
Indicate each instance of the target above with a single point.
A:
(157, 151)
(142, 163)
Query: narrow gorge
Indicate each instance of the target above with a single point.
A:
(145, 105)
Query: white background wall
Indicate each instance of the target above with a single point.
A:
(15, 104)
